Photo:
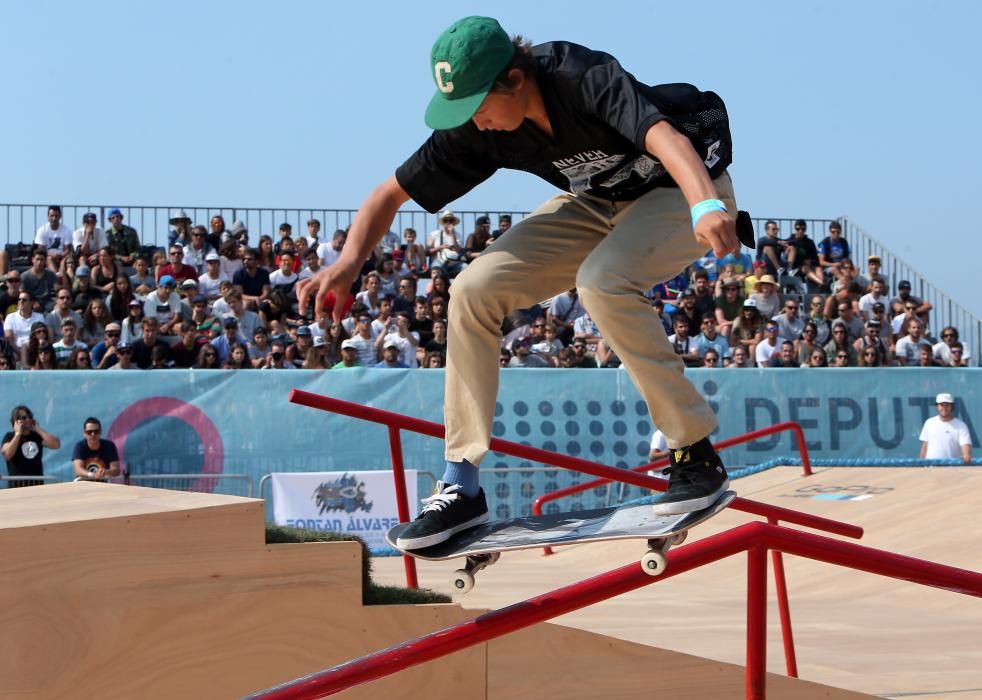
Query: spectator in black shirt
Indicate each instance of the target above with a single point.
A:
(143, 347)
(93, 458)
(23, 447)
(252, 281)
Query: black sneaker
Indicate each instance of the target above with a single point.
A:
(445, 513)
(692, 484)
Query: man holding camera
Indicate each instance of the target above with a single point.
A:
(93, 458)
(23, 447)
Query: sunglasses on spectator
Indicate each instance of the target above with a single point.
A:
(176, 252)
(364, 320)
(112, 334)
(538, 325)
(842, 357)
(871, 353)
(839, 330)
(910, 308)
(956, 351)
(23, 298)
(771, 328)
(95, 431)
(791, 307)
(799, 228)
(4, 363)
(124, 351)
(947, 335)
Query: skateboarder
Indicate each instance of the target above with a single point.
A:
(645, 192)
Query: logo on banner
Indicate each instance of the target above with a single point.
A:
(346, 495)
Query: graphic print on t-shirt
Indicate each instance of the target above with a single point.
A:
(580, 169)
(29, 449)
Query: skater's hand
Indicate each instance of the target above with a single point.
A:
(717, 230)
(335, 278)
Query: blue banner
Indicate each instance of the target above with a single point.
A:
(214, 422)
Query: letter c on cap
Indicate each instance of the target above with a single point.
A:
(441, 69)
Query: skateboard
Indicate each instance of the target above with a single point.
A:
(482, 545)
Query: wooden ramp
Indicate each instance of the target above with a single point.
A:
(129, 592)
(852, 630)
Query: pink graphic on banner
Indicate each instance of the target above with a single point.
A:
(165, 406)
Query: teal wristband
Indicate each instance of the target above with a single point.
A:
(704, 207)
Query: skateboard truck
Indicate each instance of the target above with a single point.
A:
(462, 580)
(654, 562)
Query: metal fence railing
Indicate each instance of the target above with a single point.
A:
(19, 222)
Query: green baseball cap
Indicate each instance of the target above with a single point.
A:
(465, 60)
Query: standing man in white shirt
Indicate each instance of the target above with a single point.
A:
(55, 237)
(944, 436)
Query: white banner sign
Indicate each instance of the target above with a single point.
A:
(358, 503)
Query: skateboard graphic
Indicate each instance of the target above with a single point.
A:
(482, 545)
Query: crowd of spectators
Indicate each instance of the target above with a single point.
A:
(217, 299)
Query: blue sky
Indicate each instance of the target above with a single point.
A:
(859, 108)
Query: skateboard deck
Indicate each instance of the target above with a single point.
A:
(481, 545)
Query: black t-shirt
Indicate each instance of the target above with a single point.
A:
(142, 351)
(252, 286)
(599, 114)
(103, 456)
(806, 250)
(27, 457)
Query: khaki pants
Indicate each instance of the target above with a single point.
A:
(611, 252)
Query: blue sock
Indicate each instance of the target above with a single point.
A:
(465, 474)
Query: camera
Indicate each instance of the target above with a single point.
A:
(277, 356)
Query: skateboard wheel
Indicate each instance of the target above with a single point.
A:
(654, 563)
(462, 581)
(680, 538)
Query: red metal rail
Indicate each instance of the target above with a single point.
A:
(756, 538)
(399, 421)
(721, 445)
(396, 422)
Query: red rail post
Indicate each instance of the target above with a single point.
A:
(402, 499)
(756, 622)
(784, 610)
(799, 435)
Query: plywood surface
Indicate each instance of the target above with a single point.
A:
(852, 630)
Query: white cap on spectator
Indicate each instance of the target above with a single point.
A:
(944, 398)
(319, 341)
(390, 344)
(212, 256)
(750, 302)
(349, 343)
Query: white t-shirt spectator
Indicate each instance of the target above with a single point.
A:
(286, 282)
(407, 351)
(209, 286)
(659, 443)
(196, 257)
(20, 326)
(97, 241)
(163, 311)
(54, 240)
(230, 267)
(367, 354)
(765, 352)
(866, 303)
(942, 353)
(909, 352)
(327, 254)
(944, 438)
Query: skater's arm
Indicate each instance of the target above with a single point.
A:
(370, 224)
(923, 450)
(716, 229)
